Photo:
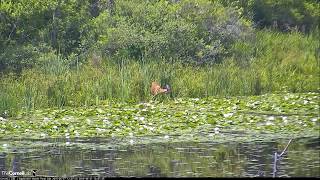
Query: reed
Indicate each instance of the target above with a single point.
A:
(275, 62)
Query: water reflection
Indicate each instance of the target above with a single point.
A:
(188, 159)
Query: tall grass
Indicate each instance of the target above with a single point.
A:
(276, 62)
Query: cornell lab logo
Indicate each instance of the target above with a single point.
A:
(13, 173)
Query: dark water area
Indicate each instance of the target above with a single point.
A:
(95, 157)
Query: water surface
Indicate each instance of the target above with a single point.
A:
(102, 157)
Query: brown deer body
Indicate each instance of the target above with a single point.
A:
(156, 89)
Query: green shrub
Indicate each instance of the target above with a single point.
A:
(200, 31)
(284, 15)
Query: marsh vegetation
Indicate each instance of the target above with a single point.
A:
(237, 71)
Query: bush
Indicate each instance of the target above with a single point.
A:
(287, 14)
(283, 15)
(17, 58)
(200, 31)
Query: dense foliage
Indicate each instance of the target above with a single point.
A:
(56, 53)
(189, 30)
(284, 15)
(201, 31)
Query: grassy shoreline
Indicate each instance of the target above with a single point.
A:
(277, 62)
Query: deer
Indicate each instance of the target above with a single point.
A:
(156, 89)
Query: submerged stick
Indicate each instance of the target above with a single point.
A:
(275, 164)
(277, 158)
(285, 148)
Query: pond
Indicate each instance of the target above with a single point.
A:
(192, 137)
(110, 158)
